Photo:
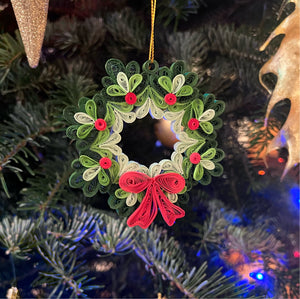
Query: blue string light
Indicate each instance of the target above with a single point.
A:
(257, 275)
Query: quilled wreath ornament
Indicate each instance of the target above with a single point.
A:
(129, 93)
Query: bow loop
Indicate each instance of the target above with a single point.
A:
(134, 182)
(170, 182)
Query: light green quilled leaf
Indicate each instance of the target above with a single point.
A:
(186, 165)
(198, 108)
(209, 154)
(90, 173)
(103, 178)
(207, 164)
(87, 161)
(115, 90)
(207, 127)
(142, 111)
(120, 193)
(83, 118)
(114, 171)
(177, 83)
(165, 83)
(134, 81)
(185, 91)
(91, 109)
(198, 172)
(131, 199)
(207, 115)
(123, 81)
(84, 130)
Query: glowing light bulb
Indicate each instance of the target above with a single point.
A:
(259, 276)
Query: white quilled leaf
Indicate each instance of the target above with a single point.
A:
(83, 118)
(177, 159)
(177, 83)
(173, 197)
(128, 117)
(142, 111)
(154, 169)
(123, 81)
(209, 165)
(131, 199)
(207, 115)
(118, 125)
(90, 173)
(156, 112)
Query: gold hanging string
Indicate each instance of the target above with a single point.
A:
(151, 47)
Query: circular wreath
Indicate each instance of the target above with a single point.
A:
(129, 94)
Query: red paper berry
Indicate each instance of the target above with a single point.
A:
(170, 98)
(193, 124)
(195, 158)
(130, 98)
(100, 124)
(105, 163)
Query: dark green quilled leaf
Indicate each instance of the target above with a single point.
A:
(217, 171)
(90, 188)
(76, 180)
(206, 179)
(115, 202)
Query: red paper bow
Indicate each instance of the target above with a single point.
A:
(136, 182)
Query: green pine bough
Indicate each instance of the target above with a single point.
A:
(130, 93)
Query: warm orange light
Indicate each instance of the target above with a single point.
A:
(261, 172)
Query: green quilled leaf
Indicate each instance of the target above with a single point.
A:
(87, 161)
(134, 81)
(165, 83)
(209, 154)
(91, 109)
(103, 178)
(198, 172)
(207, 127)
(184, 91)
(115, 90)
(84, 130)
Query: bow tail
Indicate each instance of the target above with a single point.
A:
(169, 211)
(146, 212)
